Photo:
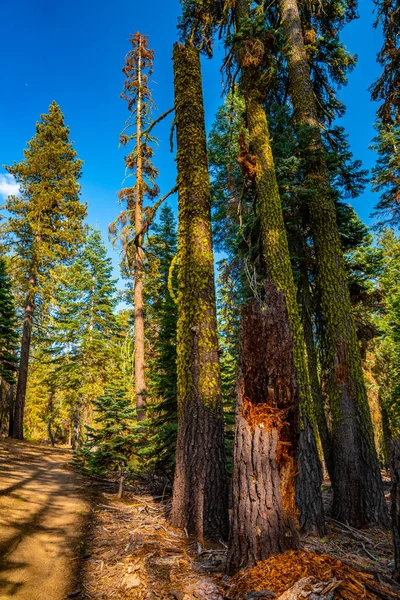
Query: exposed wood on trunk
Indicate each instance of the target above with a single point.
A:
(277, 259)
(264, 517)
(200, 498)
(357, 484)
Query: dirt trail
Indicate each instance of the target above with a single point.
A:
(42, 518)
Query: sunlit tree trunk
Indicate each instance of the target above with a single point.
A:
(140, 381)
(200, 494)
(19, 406)
(280, 281)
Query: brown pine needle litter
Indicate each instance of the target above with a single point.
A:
(280, 572)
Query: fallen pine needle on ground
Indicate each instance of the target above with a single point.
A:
(134, 554)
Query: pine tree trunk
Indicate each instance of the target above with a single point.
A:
(120, 485)
(200, 494)
(11, 408)
(319, 404)
(357, 483)
(18, 424)
(277, 259)
(264, 518)
(76, 428)
(395, 504)
(140, 381)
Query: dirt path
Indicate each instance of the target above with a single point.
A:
(42, 519)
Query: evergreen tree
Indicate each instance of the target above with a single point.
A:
(138, 68)
(162, 317)
(110, 445)
(247, 55)
(357, 483)
(200, 494)
(387, 351)
(386, 174)
(8, 328)
(84, 330)
(45, 224)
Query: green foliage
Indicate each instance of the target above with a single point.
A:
(386, 174)
(8, 328)
(45, 224)
(229, 302)
(110, 444)
(161, 323)
(388, 346)
(386, 88)
(81, 352)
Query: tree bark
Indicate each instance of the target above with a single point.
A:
(120, 485)
(395, 504)
(18, 423)
(357, 483)
(312, 360)
(76, 429)
(140, 380)
(264, 517)
(200, 494)
(11, 406)
(277, 259)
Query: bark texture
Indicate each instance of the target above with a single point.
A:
(395, 504)
(200, 497)
(357, 484)
(305, 301)
(19, 406)
(140, 380)
(277, 259)
(264, 517)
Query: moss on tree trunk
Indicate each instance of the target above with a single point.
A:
(277, 260)
(200, 498)
(357, 485)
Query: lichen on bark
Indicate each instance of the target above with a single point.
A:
(277, 261)
(200, 500)
(357, 484)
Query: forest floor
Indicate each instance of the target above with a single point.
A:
(62, 536)
(43, 518)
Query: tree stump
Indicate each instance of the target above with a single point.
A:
(264, 517)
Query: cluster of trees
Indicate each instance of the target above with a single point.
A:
(291, 365)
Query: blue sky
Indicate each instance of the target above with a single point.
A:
(73, 52)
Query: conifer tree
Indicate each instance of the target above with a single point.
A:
(111, 444)
(8, 328)
(386, 174)
(138, 68)
(45, 226)
(200, 494)
(247, 542)
(162, 317)
(84, 328)
(357, 484)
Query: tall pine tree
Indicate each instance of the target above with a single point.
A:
(45, 224)
(200, 495)
(357, 484)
